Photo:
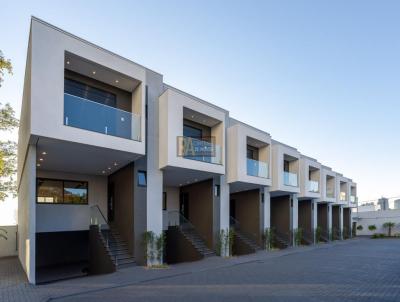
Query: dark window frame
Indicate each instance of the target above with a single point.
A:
(63, 187)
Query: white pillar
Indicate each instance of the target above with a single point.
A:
(221, 212)
(267, 209)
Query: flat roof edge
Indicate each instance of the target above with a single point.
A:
(33, 18)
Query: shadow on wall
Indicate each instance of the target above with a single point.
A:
(8, 241)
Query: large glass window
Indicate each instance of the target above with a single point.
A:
(60, 191)
(190, 131)
(90, 93)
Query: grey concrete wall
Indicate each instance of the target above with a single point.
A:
(8, 247)
(123, 181)
(27, 214)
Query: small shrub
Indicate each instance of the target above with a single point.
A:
(372, 227)
(359, 227)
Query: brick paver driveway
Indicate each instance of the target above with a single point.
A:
(355, 270)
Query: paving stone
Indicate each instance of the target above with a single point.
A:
(352, 270)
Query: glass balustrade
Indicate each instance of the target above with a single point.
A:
(343, 196)
(313, 186)
(289, 179)
(257, 168)
(200, 150)
(93, 116)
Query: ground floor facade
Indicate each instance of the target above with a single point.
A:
(79, 223)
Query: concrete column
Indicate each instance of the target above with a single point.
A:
(294, 216)
(329, 209)
(220, 210)
(314, 219)
(153, 193)
(267, 209)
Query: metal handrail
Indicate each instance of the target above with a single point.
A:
(185, 223)
(234, 222)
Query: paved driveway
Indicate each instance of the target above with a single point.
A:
(354, 270)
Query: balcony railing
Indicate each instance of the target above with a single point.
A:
(201, 150)
(353, 199)
(257, 168)
(290, 179)
(313, 186)
(89, 115)
(343, 196)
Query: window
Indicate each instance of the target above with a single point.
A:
(90, 93)
(252, 152)
(56, 191)
(286, 166)
(164, 204)
(190, 131)
(142, 179)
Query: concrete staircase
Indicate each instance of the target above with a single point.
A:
(246, 239)
(117, 248)
(195, 239)
(281, 240)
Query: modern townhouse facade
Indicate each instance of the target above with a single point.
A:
(110, 158)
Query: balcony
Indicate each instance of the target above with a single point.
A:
(89, 115)
(313, 186)
(257, 168)
(343, 196)
(353, 199)
(200, 150)
(290, 179)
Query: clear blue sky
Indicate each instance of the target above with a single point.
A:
(323, 76)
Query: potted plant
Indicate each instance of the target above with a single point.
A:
(359, 228)
(372, 227)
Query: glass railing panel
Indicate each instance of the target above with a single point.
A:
(353, 199)
(290, 179)
(89, 115)
(330, 193)
(200, 150)
(343, 196)
(257, 168)
(313, 186)
(97, 218)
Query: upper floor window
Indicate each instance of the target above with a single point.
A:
(57, 191)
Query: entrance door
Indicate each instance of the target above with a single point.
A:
(184, 204)
(111, 202)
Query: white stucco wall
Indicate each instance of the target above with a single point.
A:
(305, 164)
(237, 157)
(48, 48)
(377, 218)
(70, 217)
(171, 104)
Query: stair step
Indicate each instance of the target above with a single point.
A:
(130, 260)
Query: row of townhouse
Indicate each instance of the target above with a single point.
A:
(110, 158)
